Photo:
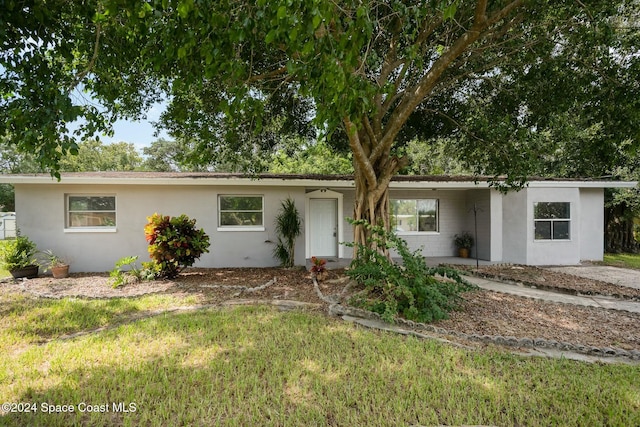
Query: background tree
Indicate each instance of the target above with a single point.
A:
(13, 161)
(163, 155)
(92, 156)
(364, 73)
(95, 156)
(574, 113)
(317, 158)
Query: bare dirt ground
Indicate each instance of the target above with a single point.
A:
(483, 312)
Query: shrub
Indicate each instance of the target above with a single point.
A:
(411, 290)
(288, 227)
(318, 266)
(174, 243)
(18, 253)
(126, 271)
(464, 240)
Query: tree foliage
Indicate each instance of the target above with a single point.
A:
(412, 290)
(318, 158)
(370, 75)
(92, 155)
(95, 156)
(164, 155)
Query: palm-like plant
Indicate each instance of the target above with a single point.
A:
(288, 227)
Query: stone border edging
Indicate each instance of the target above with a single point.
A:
(510, 341)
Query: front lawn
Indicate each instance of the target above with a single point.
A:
(259, 366)
(622, 260)
(4, 273)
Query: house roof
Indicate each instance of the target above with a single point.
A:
(293, 180)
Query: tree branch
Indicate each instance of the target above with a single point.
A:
(414, 97)
(480, 16)
(359, 156)
(92, 61)
(268, 75)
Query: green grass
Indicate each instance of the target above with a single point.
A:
(4, 273)
(258, 366)
(622, 260)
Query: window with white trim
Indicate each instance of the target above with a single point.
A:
(552, 220)
(91, 211)
(414, 215)
(240, 211)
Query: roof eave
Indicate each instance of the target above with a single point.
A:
(325, 182)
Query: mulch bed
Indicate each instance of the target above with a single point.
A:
(482, 313)
(551, 280)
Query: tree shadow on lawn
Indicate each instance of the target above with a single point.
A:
(259, 366)
(47, 319)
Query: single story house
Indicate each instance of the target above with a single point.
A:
(95, 218)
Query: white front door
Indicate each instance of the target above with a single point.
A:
(323, 230)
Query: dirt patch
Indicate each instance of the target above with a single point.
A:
(208, 285)
(491, 313)
(483, 312)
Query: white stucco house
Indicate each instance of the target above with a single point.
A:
(95, 218)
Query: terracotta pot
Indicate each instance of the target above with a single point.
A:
(29, 272)
(463, 252)
(60, 271)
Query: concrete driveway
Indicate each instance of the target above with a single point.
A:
(616, 275)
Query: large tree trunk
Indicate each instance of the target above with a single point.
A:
(372, 174)
(372, 207)
(372, 137)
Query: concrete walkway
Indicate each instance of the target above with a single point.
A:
(525, 291)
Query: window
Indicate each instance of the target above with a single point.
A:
(241, 212)
(552, 220)
(91, 211)
(410, 215)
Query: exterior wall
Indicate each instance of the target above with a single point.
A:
(505, 223)
(586, 230)
(455, 216)
(514, 227)
(349, 201)
(481, 200)
(451, 221)
(496, 251)
(554, 252)
(42, 218)
(591, 224)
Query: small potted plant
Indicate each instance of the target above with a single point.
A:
(18, 256)
(58, 266)
(318, 268)
(464, 242)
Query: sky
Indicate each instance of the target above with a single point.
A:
(141, 133)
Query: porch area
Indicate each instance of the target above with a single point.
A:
(333, 263)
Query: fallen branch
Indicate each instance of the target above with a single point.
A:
(243, 288)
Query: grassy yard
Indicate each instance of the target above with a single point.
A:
(622, 260)
(258, 366)
(4, 273)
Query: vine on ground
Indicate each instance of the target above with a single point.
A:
(410, 288)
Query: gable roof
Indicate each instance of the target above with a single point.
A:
(294, 180)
